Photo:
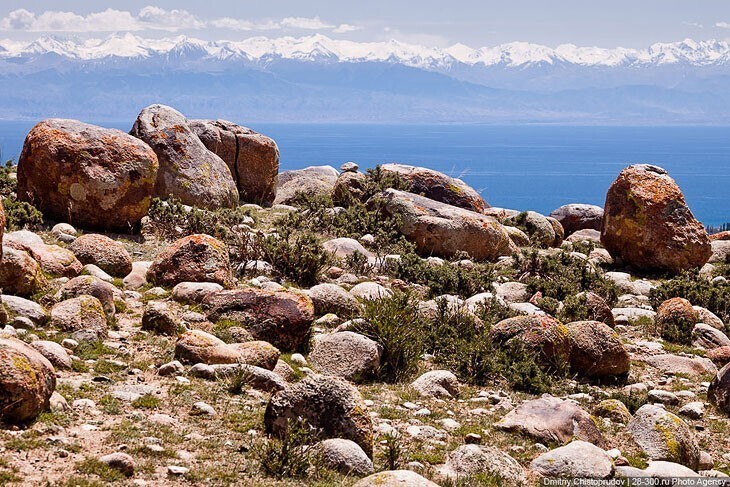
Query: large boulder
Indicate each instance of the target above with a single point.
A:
(252, 158)
(281, 318)
(437, 186)
(344, 456)
(541, 230)
(719, 391)
(17, 307)
(552, 420)
(541, 333)
(329, 404)
(707, 337)
(105, 292)
(90, 176)
(310, 181)
(105, 253)
(194, 292)
(197, 346)
(596, 350)
(331, 298)
(577, 216)
(443, 230)
(691, 366)
(648, 225)
(346, 354)
(350, 187)
(188, 170)
(20, 274)
(578, 459)
(82, 314)
(440, 384)
(195, 258)
(664, 436)
(471, 460)
(27, 380)
(55, 261)
(675, 319)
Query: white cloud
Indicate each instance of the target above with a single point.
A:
(229, 23)
(694, 24)
(343, 28)
(723, 25)
(151, 18)
(169, 19)
(51, 21)
(313, 23)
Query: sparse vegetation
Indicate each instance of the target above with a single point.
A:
(689, 285)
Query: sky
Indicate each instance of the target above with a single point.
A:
(614, 23)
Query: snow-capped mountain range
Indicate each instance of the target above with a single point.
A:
(317, 78)
(318, 48)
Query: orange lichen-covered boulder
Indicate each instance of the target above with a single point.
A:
(188, 170)
(648, 225)
(281, 318)
(27, 380)
(444, 230)
(542, 334)
(253, 158)
(437, 186)
(90, 176)
(195, 258)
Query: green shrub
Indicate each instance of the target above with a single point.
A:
(288, 456)
(562, 275)
(394, 322)
(316, 215)
(92, 466)
(171, 219)
(8, 182)
(20, 215)
(298, 257)
(574, 309)
(354, 218)
(633, 401)
(448, 278)
(147, 401)
(463, 345)
(458, 340)
(697, 290)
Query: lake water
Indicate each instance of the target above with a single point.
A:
(522, 167)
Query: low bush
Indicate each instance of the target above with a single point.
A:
(462, 344)
(697, 290)
(458, 340)
(289, 457)
(21, 215)
(296, 256)
(447, 278)
(394, 322)
(561, 275)
(171, 220)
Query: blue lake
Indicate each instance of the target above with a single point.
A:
(521, 167)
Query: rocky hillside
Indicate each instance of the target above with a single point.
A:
(176, 312)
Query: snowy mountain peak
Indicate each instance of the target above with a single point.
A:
(320, 48)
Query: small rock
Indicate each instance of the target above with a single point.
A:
(202, 409)
(119, 461)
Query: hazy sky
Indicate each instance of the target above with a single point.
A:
(628, 23)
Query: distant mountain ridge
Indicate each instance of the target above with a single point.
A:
(320, 48)
(317, 78)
